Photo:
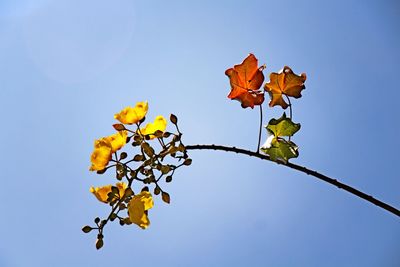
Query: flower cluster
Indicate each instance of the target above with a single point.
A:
(147, 166)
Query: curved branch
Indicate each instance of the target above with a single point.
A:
(318, 175)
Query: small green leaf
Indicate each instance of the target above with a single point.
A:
(281, 149)
(283, 126)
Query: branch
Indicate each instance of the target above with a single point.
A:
(318, 175)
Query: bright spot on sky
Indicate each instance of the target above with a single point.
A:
(54, 35)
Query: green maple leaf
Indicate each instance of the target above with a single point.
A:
(281, 149)
(283, 126)
(277, 147)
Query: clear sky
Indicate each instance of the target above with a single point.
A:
(68, 65)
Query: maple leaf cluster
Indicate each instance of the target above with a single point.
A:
(247, 78)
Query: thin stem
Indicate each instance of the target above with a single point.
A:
(318, 175)
(259, 133)
(290, 108)
(290, 111)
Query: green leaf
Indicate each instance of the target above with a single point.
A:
(283, 126)
(281, 149)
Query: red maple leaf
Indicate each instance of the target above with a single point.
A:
(246, 80)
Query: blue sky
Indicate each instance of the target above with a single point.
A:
(67, 66)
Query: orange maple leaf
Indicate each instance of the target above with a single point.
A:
(246, 80)
(284, 83)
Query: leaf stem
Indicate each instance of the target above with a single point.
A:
(290, 108)
(290, 111)
(259, 133)
(305, 170)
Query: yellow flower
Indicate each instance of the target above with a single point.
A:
(137, 209)
(101, 193)
(159, 124)
(131, 115)
(101, 154)
(117, 140)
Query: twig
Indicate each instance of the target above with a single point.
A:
(318, 175)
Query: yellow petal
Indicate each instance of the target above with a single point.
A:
(121, 187)
(159, 124)
(101, 193)
(117, 140)
(138, 216)
(137, 207)
(101, 154)
(131, 115)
